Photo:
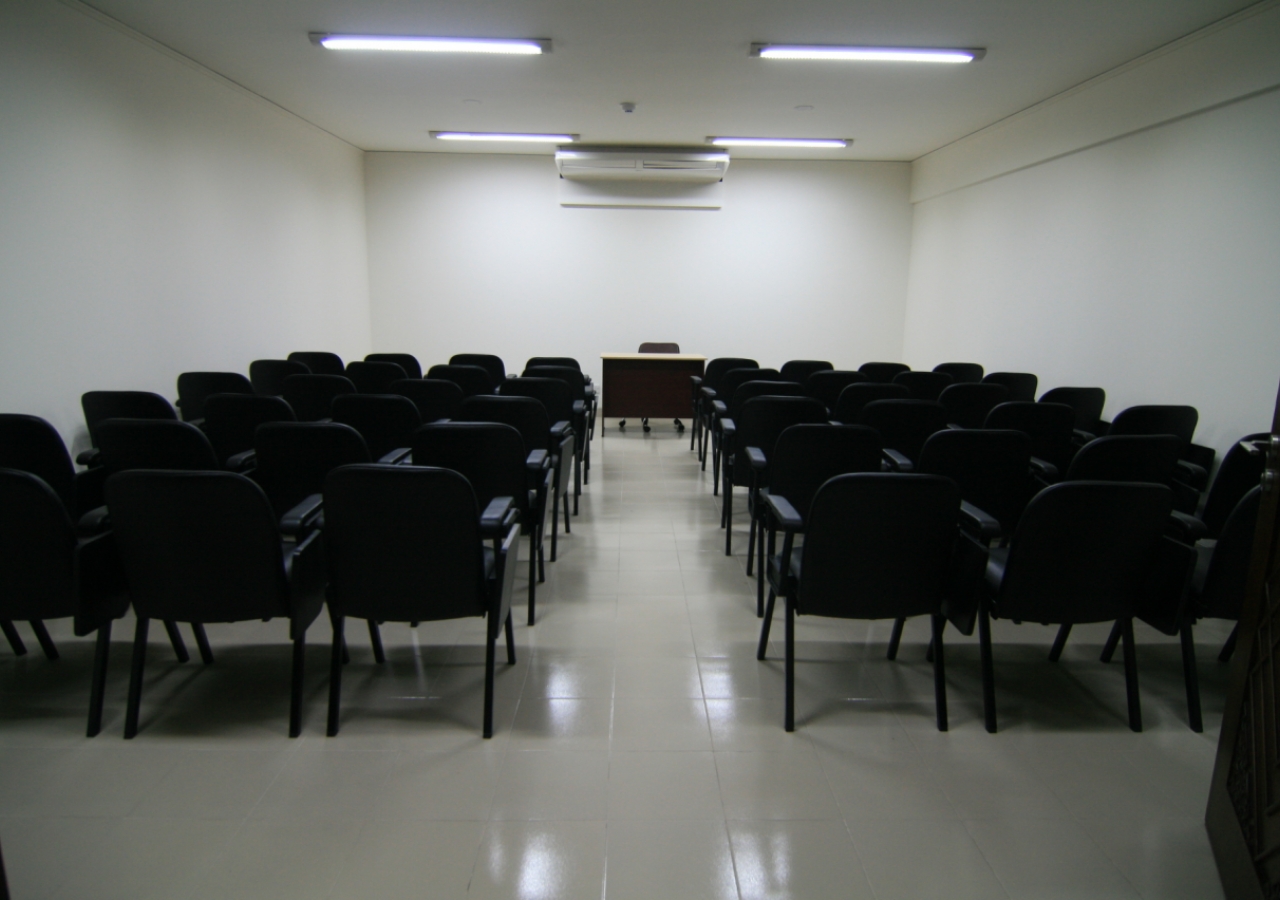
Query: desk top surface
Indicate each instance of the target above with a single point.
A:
(684, 357)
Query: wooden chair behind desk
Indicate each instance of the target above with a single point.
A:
(656, 347)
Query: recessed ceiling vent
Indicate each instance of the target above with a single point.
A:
(687, 165)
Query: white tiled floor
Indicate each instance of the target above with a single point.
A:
(639, 749)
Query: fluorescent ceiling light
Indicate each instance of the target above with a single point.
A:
(410, 44)
(499, 136)
(833, 143)
(868, 54)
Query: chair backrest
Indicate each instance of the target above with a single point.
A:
(806, 456)
(494, 365)
(525, 414)
(961, 372)
(1222, 594)
(855, 396)
(751, 389)
(385, 421)
(992, 469)
(407, 361)
(763, 418)
(1129, 457)
(882, 372)
(194, 387)
(1157, 419)
(434, 397)
(553, 361)
(569, 375)
(904, 425)
(198, 546)
(37, 546)
(731, 380)
(293, 458)
(30, 444)
(1021, 385)
(267, 375)
(552, 393)
(472, 379)
(1049, 426)
(490, 455)
(154, 444)
(968, 403)
(717, 367)
(230, 420)
(1086, 401)
(403, 544)
(101, 405)
(659, 347)
(878, 546)
(924, 385)
(311, 396)
(1082, 551)
(800, 370)
(374, 377)
(827, 385)
(1240, 471)
(320, 362)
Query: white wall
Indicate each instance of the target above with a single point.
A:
(1149, 266)
(472, 253)
(155, 219)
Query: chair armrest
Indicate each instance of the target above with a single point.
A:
(784, 512)
(1191, 474)
(537, 460)
(560, 429)
(979, 522)
(304, 567)
(303, 517)
(242, 462)
(952, 426)
(589, 389)
(101, 589)
(1082, 437)
(1185, 528)
(755, 456)
(897, 461)
(90, 457)
(579, 407)
(728, 428)
(720, 408)
(498, 516)
(396, 456)
(95, 521)
(708, 393)
(1044, 469)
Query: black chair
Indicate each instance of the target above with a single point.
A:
(854, 397)
(904, 426)
(1087, 402)
(968, 403)
(204, 547)
(407, 544)
(991, 467)
(554, 396)
(1021, 385)
(46, 573)
(99, 406)
(194, 387)
(731, 406)
(374, 377)
(311, 396)
(320, 362)
(1157, 419)
(435, 398)
(924, 385)
(1132, 457)
(230, 421)
(529, 417)
(876, 546)
(472, 379)
(552, 361)
(293, 459)
(705, 389)
(716, 401)
(407, 361)
(961, 372)
(30, 444)
(494, 365)
(494, 460)
(1050, 427)
(267, 375)
(827, 385)
(882, 372)
(1081, 553)
(1241, 470)
(385, 421)
(583, 401)
(800, 370)
(154, 444)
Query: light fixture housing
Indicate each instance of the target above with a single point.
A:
(825, 52)
(419, 44)
(813, 143)
(499, 136)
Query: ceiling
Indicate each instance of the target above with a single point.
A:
(683, 62)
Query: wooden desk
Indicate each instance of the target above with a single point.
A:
(648, 385)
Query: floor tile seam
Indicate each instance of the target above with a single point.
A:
(991, 865)
(733, 854)
(1088, 833)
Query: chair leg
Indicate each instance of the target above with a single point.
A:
(1109, 648)
(555, 519)
(577, 481)
(542, 567)
(789, 667)
(175, 638)
(764, 626)
(98, 684)
(533, 583)
(715, 468)
(15, 641)
(895, 638)
(1131, 676)
(42, 635)
(1064, 631)
(295, 686)
(988, 669)
(338, 650)
(375, 640)
(567, 528)
(760, 559)
(728, 517)
(346, 655)
(751, 535)
(488, 680)
(1228, 648)
(1192, 677)
(202, 642)
(511, 641)
(939, 673)
(135, 678)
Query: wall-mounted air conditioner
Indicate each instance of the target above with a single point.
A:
(642, 177)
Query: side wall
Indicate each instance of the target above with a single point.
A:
(472, 253)
(155, 219)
